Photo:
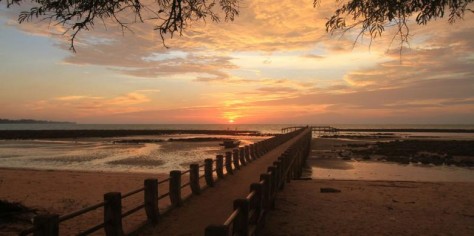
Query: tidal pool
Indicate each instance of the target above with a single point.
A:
(374, 170)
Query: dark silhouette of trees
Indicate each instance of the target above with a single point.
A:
(173, 16)
(374, 16)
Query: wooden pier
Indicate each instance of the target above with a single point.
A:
(220, 202)
(318, 130)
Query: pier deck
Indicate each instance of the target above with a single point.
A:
(215, 204)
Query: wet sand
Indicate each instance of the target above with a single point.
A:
(373, 208)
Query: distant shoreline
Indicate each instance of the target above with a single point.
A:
(31, 121)
(106, 133)
(411, 130)
(49, 134)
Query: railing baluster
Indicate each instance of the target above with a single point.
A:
(243, 161)
(220, 166)
(151, 200)
(194, 179)
(235, 156)
(175, 188)
(241, 223)
(208, 172)
(228, 163)
(113, 214)
(258, 189)
(46, 225)
(247, 153)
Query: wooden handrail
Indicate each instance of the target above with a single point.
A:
(80, 212)
(232, 217)
(132, 193)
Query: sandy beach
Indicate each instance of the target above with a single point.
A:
(373, 208)
(434, 199)
(61, 192)
(362, 207)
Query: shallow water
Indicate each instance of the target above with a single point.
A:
(102, 154)
(370, 170)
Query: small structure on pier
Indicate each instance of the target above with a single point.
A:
(319, 130)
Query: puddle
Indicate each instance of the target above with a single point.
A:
(367, 170)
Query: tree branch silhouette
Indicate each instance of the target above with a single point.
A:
(372, 17)
(171, 16)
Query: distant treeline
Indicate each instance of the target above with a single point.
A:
(31, 121)
(49, 134)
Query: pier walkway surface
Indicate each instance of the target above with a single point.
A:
(215, 204)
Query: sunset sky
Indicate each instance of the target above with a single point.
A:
(274, 64)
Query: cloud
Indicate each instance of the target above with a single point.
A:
(75, 97)
(261, 26)
(148, 91)
(128, 99)
(85, 105)
(277, 90)
(275, 63)
(312, 56)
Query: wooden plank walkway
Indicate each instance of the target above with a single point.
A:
(214, 205)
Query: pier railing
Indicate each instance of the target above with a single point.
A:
(316, 129)
(211, 170)
(249, 213)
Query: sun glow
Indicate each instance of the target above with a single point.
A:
(231, 116)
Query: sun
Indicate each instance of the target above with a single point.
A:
(231, 121)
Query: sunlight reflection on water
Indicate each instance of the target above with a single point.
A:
(366, 170)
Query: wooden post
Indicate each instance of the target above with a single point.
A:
(217, 230)
(295, 165)
(284, 166)
(247, 153)
(265, 144)
(273, 186)
(228, 163)
(113, 214)
(264, 147)
(242, 156)
(235, 156)
(194, 179)
(175, 188)
(279, 173)
(266, 190)
(220, 166)
(208, 172)
(252, 152)
(299, 162)
(46, 225)
(258, 149)
(289, 174)
(151, 200)
(241, 223)
(258, 202)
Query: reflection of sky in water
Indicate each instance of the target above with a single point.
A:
(364, 170)
(102, 155)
